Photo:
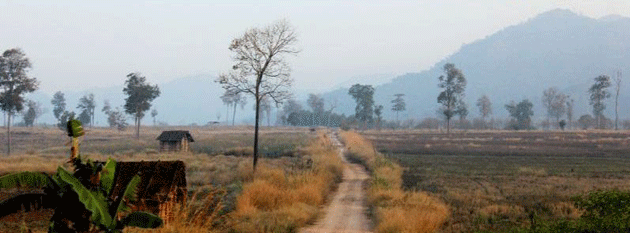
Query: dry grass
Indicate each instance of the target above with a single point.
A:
(214, 177)
(492, 188)
(395, 210)
(281, 200)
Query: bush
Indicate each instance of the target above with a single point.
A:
(603, 211)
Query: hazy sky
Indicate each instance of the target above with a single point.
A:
(84, 44)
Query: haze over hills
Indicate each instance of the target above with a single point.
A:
(557, 48)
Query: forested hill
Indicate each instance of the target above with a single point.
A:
(557, 48)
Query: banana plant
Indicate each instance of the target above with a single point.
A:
(82, 200)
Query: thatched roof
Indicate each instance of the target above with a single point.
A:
(175, 135)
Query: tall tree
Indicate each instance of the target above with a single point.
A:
(15, 82)
(617, 89)
(331, 106)
(154, 113)
(87, 105)
(228, 99)
(289, 107)
(316, 103)
(451, 98)
(363, 95)
(59, 104)
(139, 96)
(570, 103)
(261, 69)
(522, 113)
(555, 102)
(237, 100)
(106, 107)
(398, 104)
(32, 113)
(599, 94)
(378, 111)
(485, 106)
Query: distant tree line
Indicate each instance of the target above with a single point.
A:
(559, 108)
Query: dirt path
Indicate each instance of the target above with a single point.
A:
(347, 211)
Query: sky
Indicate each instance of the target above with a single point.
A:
(78, 45)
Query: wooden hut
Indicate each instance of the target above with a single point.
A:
(175, 140)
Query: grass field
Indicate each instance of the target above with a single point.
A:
(219, 164)
(499, 181)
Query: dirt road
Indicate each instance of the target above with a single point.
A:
(347, 211)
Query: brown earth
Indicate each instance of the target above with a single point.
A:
(347, 210)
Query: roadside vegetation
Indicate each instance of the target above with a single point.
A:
(517, 181)
(298, 171)
(394, 209)
(282, 199)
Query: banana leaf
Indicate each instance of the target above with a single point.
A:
(142, 219)
(24, 180)
(128, 196)
(93, 201)
(107, 175)
(74, 128)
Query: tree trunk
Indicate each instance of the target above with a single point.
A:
(256, 127)
(227, 116)
(448, 125)
(138, 128)
(8, 133)
(617, 109)
(234, 114)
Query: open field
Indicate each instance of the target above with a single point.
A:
(498, 181)
(220, 162)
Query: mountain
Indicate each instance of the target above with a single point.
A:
(557, 48)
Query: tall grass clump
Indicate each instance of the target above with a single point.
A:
(394, 209)
(282, 200)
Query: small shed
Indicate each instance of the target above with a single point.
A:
(175, 140)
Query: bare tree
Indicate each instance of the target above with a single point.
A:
(485, 106)
(555, 103)
(617, 88)
(261, 69)
(15, 83)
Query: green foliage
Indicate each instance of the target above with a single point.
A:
(24, 179)
(454, 84)
(363, 95)
(522, 113)
(15, 82)
(142, 219)
(128, 195)
(59, 104)
(139, 95)
(92, 183)
(74, 128)
(107, 175)
(604, 211)
(599, 94)
(94, 201)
